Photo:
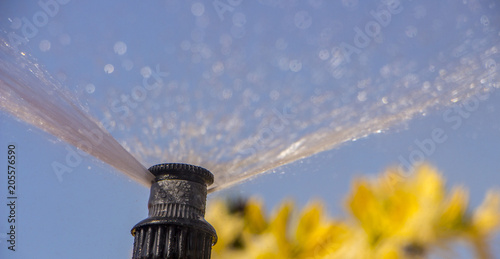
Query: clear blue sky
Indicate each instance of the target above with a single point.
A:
(101, 50)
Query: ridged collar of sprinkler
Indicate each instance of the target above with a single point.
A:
(176, 227)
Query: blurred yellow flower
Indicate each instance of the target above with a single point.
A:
(485, 221)
(260, 237)
(397, 215)
(406, 217)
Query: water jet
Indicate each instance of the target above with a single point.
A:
(175, 227)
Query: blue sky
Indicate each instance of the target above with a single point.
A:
(271, 51)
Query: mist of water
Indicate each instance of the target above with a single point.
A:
(332, 127)
(30, 94)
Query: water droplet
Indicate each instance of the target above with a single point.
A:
(44, 45)
(302, 20)
(490, 64)
(90, 88)
(197, 9)
(411, 31)
(218, 67)
(485, 20)
(454, 100)
(120, 48)
(362, 96)
(385, 71)
(146, 72)
(108, 68)
(324, 54)
(384, 100)
(295, 65)
(157, 123)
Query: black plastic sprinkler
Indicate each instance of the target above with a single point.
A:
(175, 227)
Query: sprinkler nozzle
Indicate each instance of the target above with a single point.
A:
(175, 227)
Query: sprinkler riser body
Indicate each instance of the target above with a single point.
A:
(175, 227)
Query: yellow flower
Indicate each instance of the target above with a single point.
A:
(453, 218)
(486, 218)
(485, 221)
(254, 217)
(396, 215)
(228, 226)
(406, 216)
(312, 235)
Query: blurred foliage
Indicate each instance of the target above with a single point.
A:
(396, 215)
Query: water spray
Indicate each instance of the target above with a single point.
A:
(175, 227)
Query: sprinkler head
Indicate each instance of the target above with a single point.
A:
(175, 227)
